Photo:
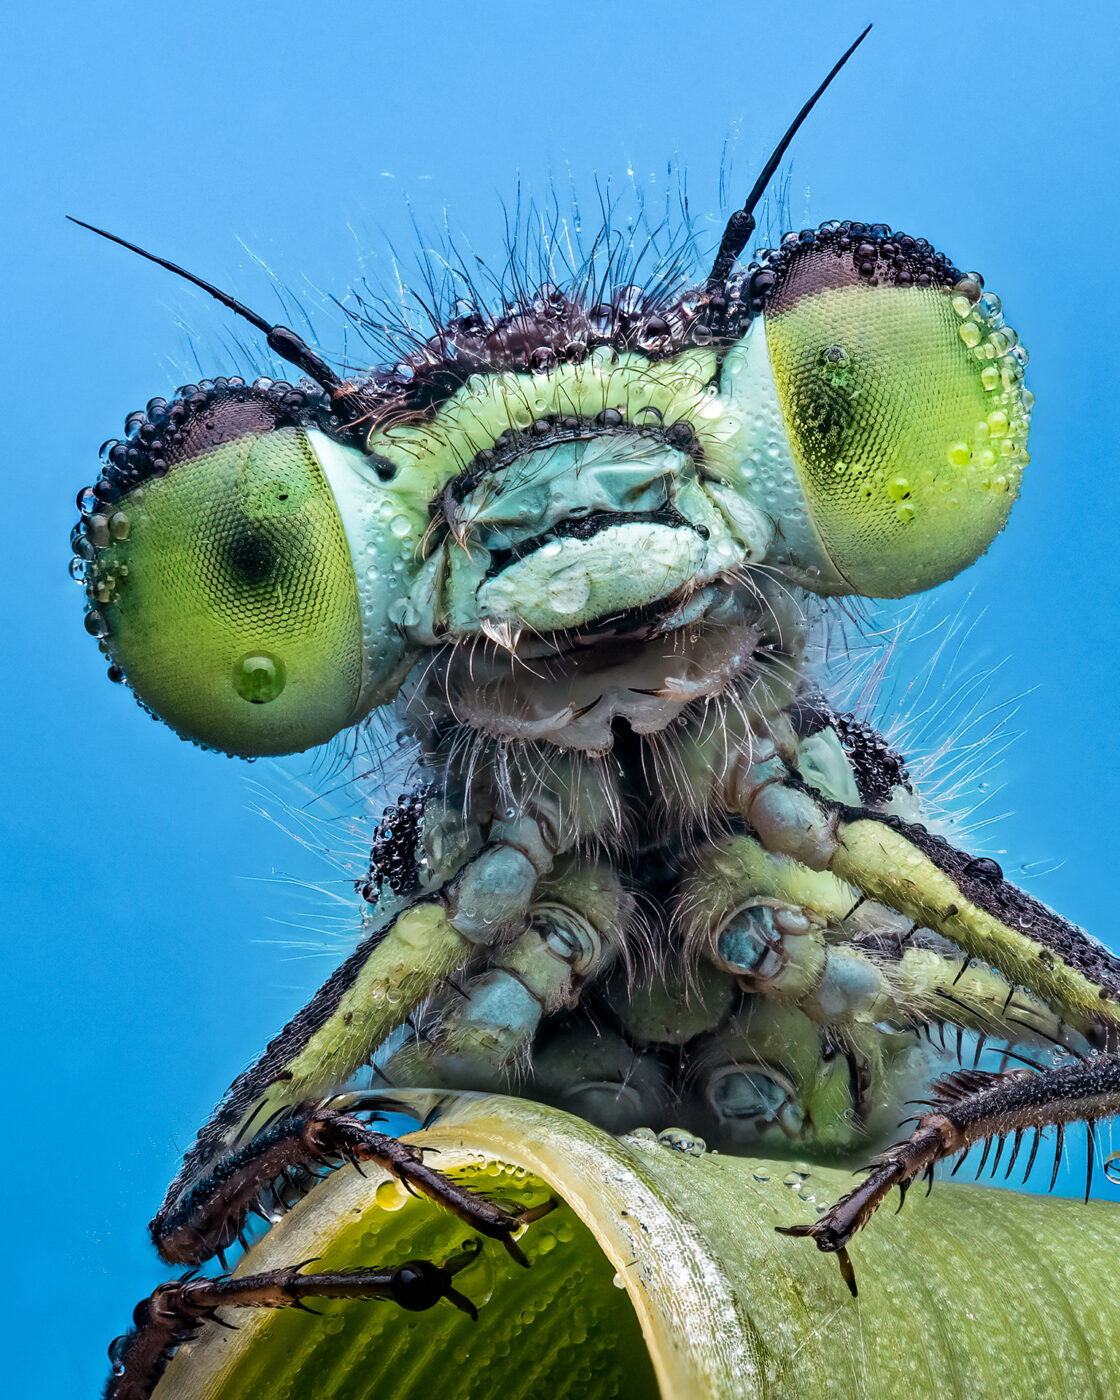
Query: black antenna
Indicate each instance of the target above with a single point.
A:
(284, 342)
(741, 224)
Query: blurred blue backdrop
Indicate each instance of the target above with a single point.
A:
(276, 145)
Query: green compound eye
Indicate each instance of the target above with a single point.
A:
(226, 592)
(903, 401)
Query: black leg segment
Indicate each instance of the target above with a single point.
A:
(174, 1313)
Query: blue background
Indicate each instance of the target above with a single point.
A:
(146, 966)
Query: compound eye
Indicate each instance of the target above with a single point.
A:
(219, 572)
(901, 390)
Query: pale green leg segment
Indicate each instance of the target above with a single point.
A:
(786, 931)
(888, 867)
(882, 864)
(577, 921)
(788, 935)
(372, 995)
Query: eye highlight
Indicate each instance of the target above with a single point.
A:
(901, 390)
(223, 586)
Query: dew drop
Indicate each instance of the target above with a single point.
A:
(259, 677)
(969, 288)
(390, 1195)
(95, 624)
(970, 334)
(990, 304)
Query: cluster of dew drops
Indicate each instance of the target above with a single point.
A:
(999, 439)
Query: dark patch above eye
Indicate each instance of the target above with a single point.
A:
(203, 416)
(842, 254)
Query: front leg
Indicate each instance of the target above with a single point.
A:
(904, 866)
(390, 974)
(209, 1217)
(966, 1108)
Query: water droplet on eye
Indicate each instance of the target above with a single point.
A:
(960, 454)
(95, 624)
(259, 678)
(78, 569)
(118, 526)
(619, 1282)
(990, 304)
(760, 1175)
(969, 288)
(905, 513)
(990, 377)
(970, 333)
(400, 526)
(898, 488)
(997, 423)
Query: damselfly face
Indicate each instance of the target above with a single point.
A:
(266, 564)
